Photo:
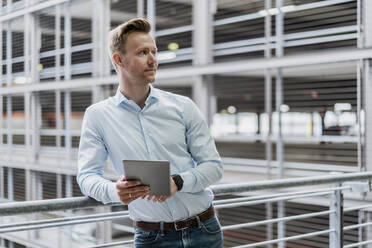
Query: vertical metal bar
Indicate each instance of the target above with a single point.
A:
(2, 184)
(58, 122)
(28, 184)
(268, 89)
(359, 24)
(67, 98)
(69, 193)
(27, 102)
(369, 228)
(361, 219)
(359, 87)
(9, 83)
(101, 51)
(10, 184)
(35, 40)
(106, 30)
(358, 114)
(59, 185)
(97, 38)
(10, 190)
(140, 8)
(39, 185)
(367, 84)
(57, 35)
(2, 125)
(35, 196)
(151, 16)
(268, 111)
(336, 218)
(279, 100)
(1, 80)
(67, 103)
(68, 189)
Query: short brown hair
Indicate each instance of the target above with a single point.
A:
(118, 36)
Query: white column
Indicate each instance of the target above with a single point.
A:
(67, 105)
(10, 184)
(151, 16)
(9, 80)
(367, 82)
(203, 90)
(35, 44)
(100, 30)
(140, 8)
(279, 27)
(2, 182)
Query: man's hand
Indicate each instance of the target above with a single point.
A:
(161, 198)
(129, 191)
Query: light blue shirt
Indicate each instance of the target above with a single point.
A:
(170, 127)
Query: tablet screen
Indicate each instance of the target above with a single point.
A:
(154, 173)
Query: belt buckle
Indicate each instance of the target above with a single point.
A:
(186, 224)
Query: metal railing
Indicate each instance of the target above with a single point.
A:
(337, 185)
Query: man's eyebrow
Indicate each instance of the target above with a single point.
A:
(145, 47)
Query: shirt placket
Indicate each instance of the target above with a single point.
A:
(145, 132)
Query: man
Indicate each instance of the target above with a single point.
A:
(144, 123)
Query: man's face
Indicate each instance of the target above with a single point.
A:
(139, 60)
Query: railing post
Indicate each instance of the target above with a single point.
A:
(369, 228)
(336, 219)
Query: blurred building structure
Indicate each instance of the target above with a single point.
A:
(284, 84)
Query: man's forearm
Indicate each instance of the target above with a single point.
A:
(199, 178)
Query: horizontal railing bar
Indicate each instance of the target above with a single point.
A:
(122, 227)
(63, 219)
(357, 208)
(263, 222)
(85, 202)
(292, 182)
(113, 244)
(250, 198)
(301, 236)
(250, 203)
(347, 228)
(49, 205)
(67, 223)
(358, 244)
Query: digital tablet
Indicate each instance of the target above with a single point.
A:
(155, 174)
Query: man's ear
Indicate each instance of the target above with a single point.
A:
(117, 59)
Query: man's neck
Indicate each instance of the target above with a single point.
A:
(138, 93)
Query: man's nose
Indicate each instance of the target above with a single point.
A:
(152, 59)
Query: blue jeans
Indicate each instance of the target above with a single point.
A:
(208, 234)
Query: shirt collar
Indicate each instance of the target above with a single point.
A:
(120, 98)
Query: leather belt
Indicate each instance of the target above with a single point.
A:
(178, 225)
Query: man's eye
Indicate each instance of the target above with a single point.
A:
(143, 52)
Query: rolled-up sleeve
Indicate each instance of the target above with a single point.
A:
(92, 158)
(208, 169)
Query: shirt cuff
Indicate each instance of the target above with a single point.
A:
(112, 192)
(188, 181)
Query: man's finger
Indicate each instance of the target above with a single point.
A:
(127, 184)
(127, 192)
